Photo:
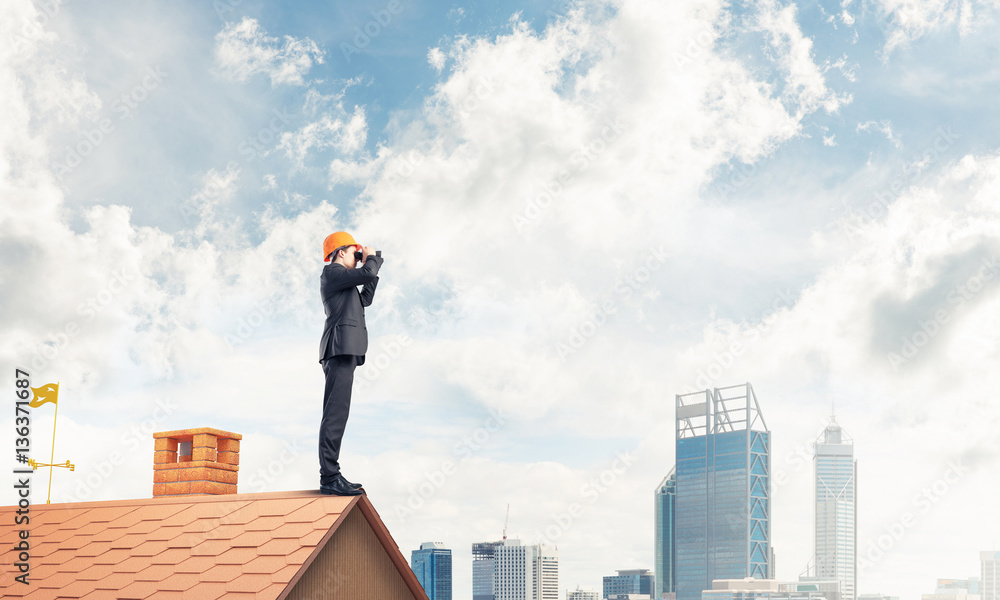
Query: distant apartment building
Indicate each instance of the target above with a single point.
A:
(723, 494)
(955, 589)
(876, 597)
(582, 593)
(989, 576)
(664, 551)
(769, 589)
(629, 581)
(432, 566)
(525, 572)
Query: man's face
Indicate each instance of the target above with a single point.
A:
(349, 261)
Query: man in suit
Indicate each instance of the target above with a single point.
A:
(343, 347)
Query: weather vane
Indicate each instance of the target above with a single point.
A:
(44, 394)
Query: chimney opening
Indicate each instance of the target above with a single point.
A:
(184, 451)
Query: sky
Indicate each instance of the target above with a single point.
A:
(585, 209)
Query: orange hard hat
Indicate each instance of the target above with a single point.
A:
(334, 241)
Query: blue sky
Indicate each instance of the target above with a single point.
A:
(585, 209)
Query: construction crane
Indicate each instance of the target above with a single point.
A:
(505, 520)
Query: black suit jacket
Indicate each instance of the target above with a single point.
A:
(345, 331)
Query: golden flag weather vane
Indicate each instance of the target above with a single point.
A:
(43, 395)
(46, 393)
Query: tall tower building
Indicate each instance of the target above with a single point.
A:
(836, 510)
(483, 563)
(723, 498)
(525, 572)
(664, 552)
(989, 576)
(432, 566)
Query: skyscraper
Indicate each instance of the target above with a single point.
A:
(989, 576)
(483, 562)
(836, 509)
(723, 501)
(664, 552)
(432, 566)
(525, 572)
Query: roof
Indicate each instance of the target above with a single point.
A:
(232, 546)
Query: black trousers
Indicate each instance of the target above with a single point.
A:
(339, 372)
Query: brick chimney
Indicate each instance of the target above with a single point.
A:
(195, 462)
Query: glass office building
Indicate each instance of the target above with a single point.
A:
(664, 552)
(723, 497)
(836, 509)
(629, 581)
(483, 566)
(432, 566)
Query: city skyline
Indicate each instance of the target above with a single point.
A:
(835, 500)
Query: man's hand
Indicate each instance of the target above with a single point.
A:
(366, 252)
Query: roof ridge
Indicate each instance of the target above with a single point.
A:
(188, 499)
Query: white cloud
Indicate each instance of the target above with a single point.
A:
(904, 22)
(345, 133)
(244, 49)
(436, 58)
(806, 87)
(884, 127)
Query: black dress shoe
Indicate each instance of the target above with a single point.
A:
(339, 487)
(356, 486)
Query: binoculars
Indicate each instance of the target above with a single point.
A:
(358, 254)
